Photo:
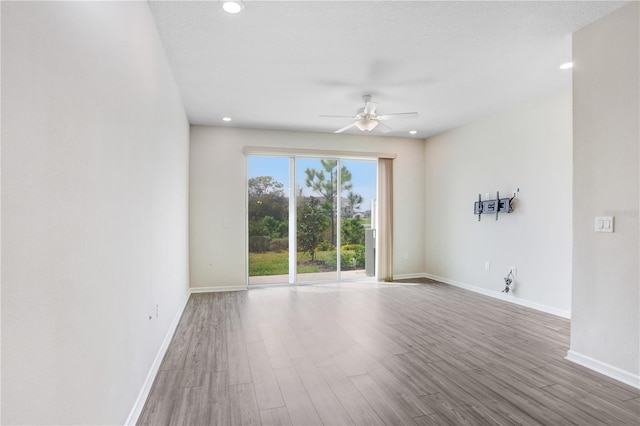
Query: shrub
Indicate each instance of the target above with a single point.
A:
(279, 244)
(325, 246)
(346, 260)
(352, 231)
(359, 256)
(259, 244)
(350, 252)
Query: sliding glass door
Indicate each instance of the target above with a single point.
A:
(358, 219)
(268, 193)
(317, 201)
(307, 218)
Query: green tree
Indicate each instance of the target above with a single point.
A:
(325, 183)
(312, 221)
(262, 185)
(268, 207)
(354, 201)
(272, 227)
(352, 231)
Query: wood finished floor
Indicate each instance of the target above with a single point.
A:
(376, 354)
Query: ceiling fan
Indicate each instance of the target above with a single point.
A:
(367, 119)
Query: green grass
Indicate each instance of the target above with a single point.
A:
(271, 263)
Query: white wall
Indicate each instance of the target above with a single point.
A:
(605, 330)
(94, 208)
(218, 193)
(526, 147)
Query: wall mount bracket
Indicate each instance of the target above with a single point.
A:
(497, 206)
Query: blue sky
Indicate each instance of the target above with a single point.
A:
(363, 173)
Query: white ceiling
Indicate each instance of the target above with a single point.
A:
(280, 64)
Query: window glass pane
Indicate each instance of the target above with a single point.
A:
(316, 192)
(268, 219)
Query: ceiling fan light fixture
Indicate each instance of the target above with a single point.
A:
(233, 7)
(367, 124)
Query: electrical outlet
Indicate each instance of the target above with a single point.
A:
(487, 266)
(513, 270)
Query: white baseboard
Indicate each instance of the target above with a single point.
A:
(606, 369)
(155, 366)
(218, 288)
(501, 296)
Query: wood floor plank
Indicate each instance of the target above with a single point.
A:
(632, 405)
(264, 380)
(237, 359)
(332, 338)
(597, 384)
(299, 405)
(216, 354)
(202, 312)
(521, 375)
(472, 398)
(218, 312)
(371, 339)
(190, 310)
(293, 346)
(402, 395)
(381, 402)
(196, 358)
(355, 361)
(430, 420)
(412, 378)
(598, 415)
(373, 353)
(176, 355)
(449, 410)
(191, 407)
(350, 397)
(161, 401)
(217, 390)
(528, 399)
(232, 315)
(312, 345)
(243, 408)
(275, 417)
(324, 400)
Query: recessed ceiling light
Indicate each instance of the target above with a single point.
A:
(566, 66)
(233, 7)
(226, 118)
(413, 132)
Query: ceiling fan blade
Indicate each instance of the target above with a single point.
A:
(345, 128)
(370, 107)
(337, 116)
(398, 115)
(384, 128)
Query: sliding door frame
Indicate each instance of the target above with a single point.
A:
(292, 155)
(293, 219)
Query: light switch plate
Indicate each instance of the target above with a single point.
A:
(604, 224)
